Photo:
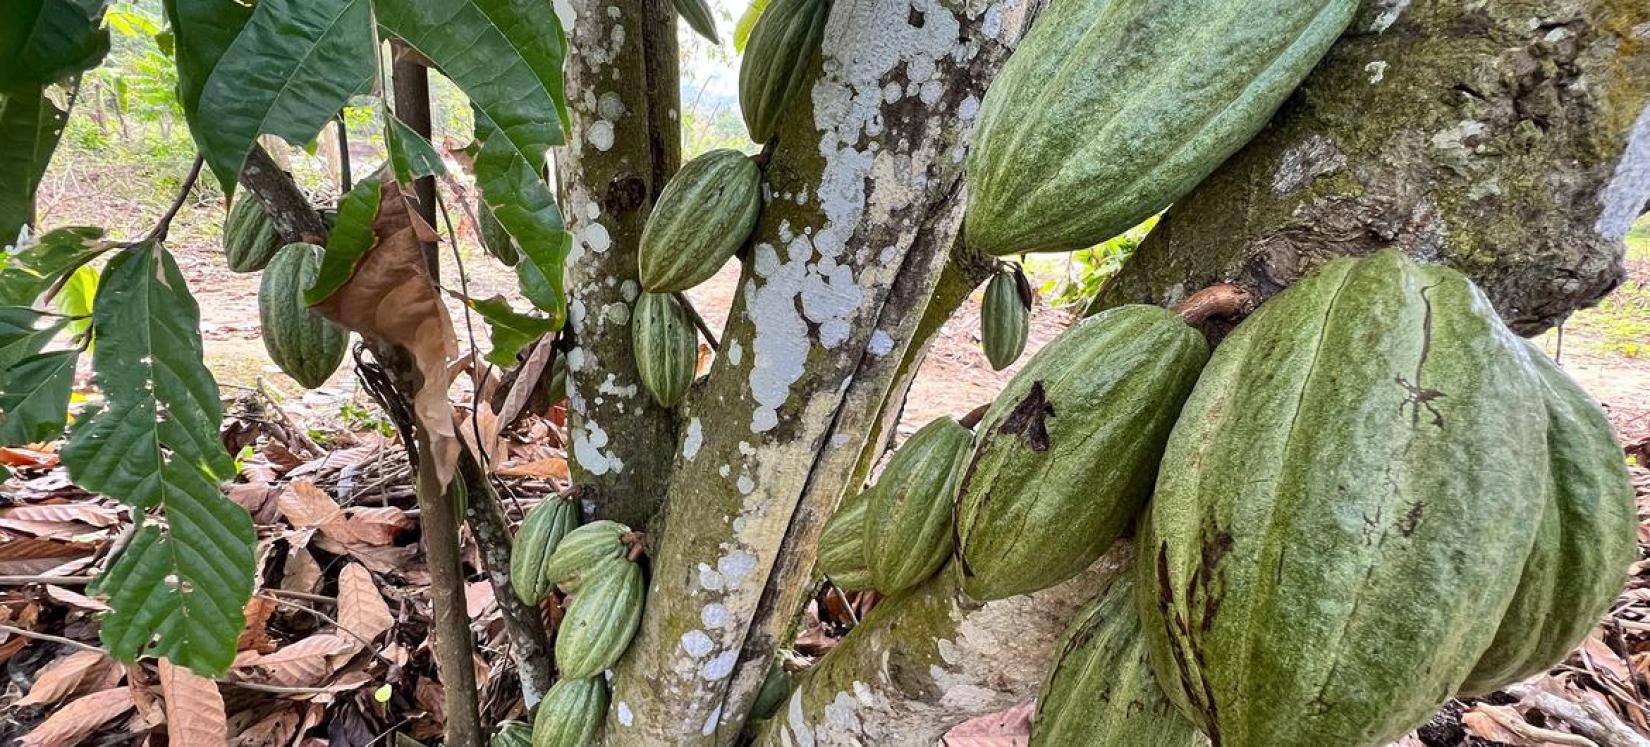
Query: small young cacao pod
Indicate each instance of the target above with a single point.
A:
(584, 552)
(571, 713)
(782, 54)
(698, 17)
(1005, 317)
(535, 542)
(842, 546)
(705, 214)
(307, 346)
(600, 620)
(512, 734)
(666, 346)
(249, 237)
(908, 516)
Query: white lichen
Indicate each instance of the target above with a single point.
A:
(696, 644)
(694, 439)
(1376, 70)
(1391, 10)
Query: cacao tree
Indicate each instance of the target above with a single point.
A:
(904, 146)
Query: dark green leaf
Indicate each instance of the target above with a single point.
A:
(27, 273)
(350, 240)
(202, 31)
(511, 330)
(47, 41)
(24, 332)
(522, 203)
(30, 126)
(293, 67)
(410, 154)
(34, 397)
(155, 443)
(506, 55)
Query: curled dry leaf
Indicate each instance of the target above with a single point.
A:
(255, 635)
(194, 707)
(361, 607)
(75, 599)
(73, 722)
(307, 663)
(66, 676)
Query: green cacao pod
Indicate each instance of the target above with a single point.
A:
(1161, 91)
(535, 542)
(584, 552)
(571, 713)
(1587, 537)
(307, 346)
(908, 517)
(782, 53)
(494, 239)
(666, 346)
(1005, 317)
(1337, 527)
(705, 214)
(698, 17)
(249, 238)
(1101, 691)
(1065, 458)
(842, 546)
(512, 734)
(600, 621)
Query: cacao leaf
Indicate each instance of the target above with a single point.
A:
(27, 273)
(34, 397)
(350, 239)
(511, 330)
(202, 31)
(411, 156)
(24, 332)
(178, 592)
(30, 125)
(46, 41)
(75, 299)
(288, 72)
(518, 197)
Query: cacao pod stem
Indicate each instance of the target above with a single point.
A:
(974, 416)
(637, 544)
(1226, 300)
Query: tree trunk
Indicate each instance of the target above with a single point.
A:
(1509, 138)
(625, 143)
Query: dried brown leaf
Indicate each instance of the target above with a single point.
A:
(361, 606)
(307, 663)
(305, 505)
(379, 525)
(303, 574)
(23, 556)
(74, 599)
(73, 722)
(275, 730)
(194, 707)
(65, 676)
(255, 635)
(547, 468)
(96, 515)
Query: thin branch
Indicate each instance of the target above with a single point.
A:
(54, 580)
(302, 595)
(344, 181)
(698, 321)
(165, 224)
(50, 637)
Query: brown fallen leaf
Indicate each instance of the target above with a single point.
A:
(306, 505)
(274, 730)
(24, 556)
(379, 525)
(75, 599)
(65, 676)
(73, 722)
(13, 456)
(307, 663)
(96, 515)
(194, 707)
(547, 468)
(361, 606)
(255, 634)
(303, 573)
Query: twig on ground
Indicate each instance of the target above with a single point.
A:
(1588, 718)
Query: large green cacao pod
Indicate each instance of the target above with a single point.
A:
(698, 17)
(782, 52)
(842, 545)
(705, 214)
(585, 552)
(1587, 537)
(307, 346)
(1101, 691)
(1065, 458)
(249, 237)
(1109, 110)
(1343, 508)
(908, 516)
(600, 621)
(666, 346)
(535, 542)
(1005, 317)
(512, 734)
(571, 713)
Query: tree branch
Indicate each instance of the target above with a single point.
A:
(529, 645)
(289, 210)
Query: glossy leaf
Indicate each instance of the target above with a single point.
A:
(411, 156)
(24, 332)
(34, 397)
(27, 273)
(524, 205)
(289, 72)
(30, 126)
(179, 592)
(47, 41)
(350, 240)
(512, 331)
(202, 31)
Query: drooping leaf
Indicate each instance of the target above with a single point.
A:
(350, 239)
(24, 332)
(202, 31)
(46, 41)
(411, 156)
(506, 55)
(28, 272)
(511, 330)
(747, 21)
(34, 397)
(289, 72)
(524, 205)
(179, 592)
(30, 125)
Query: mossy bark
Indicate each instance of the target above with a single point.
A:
(1507, 138)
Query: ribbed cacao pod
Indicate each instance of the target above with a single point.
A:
(1065, 458)
(495, 240)
(1338, 527)
(512, 734)
(1165, 90)
(666, 346)
(1101, 691)
(583, 552)
(249, 237)
(908, 516)
(705, 214)
(571, 713)
(535, 542)
(307, 346)
(600, 620)
(698, 17)
(1005, 317)
(1587, 537)
(782, 53)
(842, 546)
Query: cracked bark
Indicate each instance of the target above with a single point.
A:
(624, 144)
(1509, 139)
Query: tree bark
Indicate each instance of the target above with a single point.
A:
(1508, 138)
(529, 643)
(865, 205)
(625, 142)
